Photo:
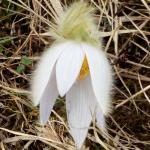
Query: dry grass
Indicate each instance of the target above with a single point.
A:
(125, 28)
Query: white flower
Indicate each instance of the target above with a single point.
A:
(82, 73)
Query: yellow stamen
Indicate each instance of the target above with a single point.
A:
(84, 72)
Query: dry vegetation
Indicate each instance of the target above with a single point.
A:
(125, 28)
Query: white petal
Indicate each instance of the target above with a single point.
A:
(101, 75)
(43, 71)
(81, 104)
(68, 67)
(48, 98)
(100, 119)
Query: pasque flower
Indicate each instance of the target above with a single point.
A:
(75, 66)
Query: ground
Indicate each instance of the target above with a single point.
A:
(125, 30)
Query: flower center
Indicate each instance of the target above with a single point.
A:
(84, 72)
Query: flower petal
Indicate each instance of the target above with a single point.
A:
(48, 98)
(81, 104)
(100, 119)
(43, 71)
(101, 75)
(68, 67)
